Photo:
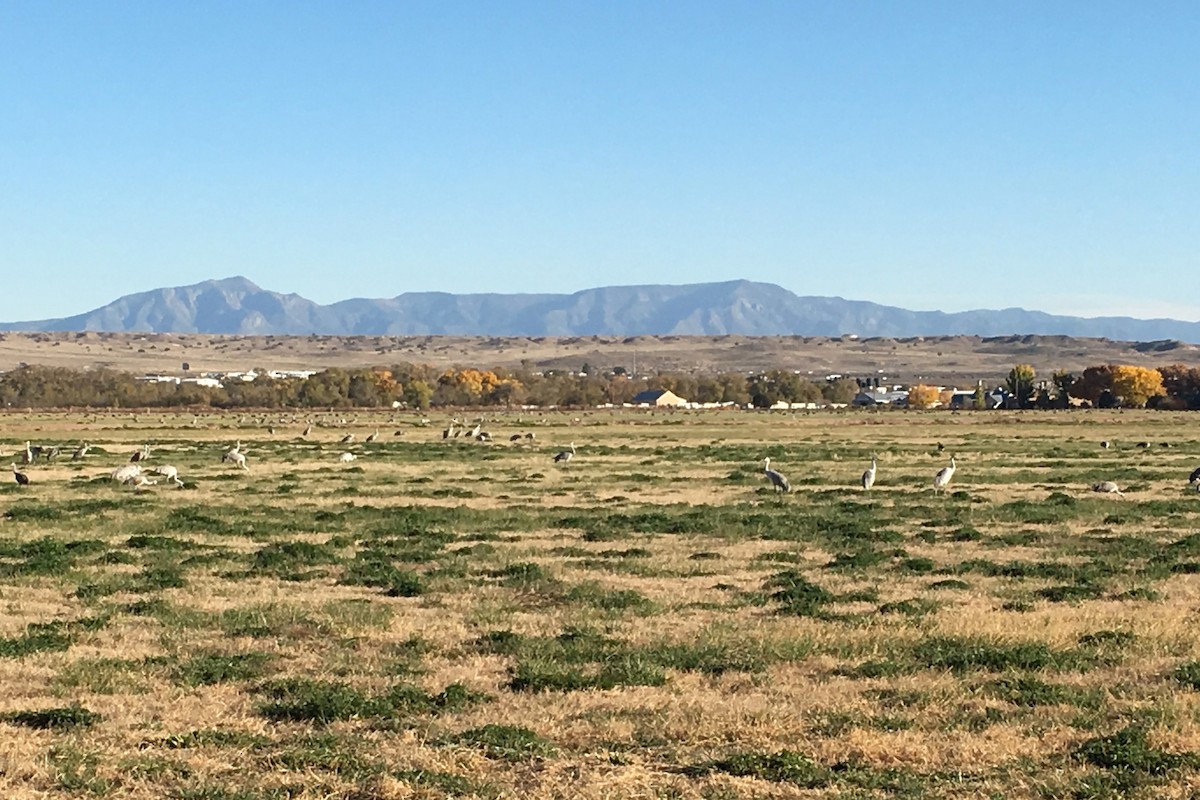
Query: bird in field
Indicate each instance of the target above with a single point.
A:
(235, 456)
(943, 476)
(348, 438)
(1107, 487)
(81, 452)
(565, 456)
(777, 480)
(21, 478)
(127, 473)
(306, 431)
(169, 473)
(372, 437)
(868, 477)
(1195, 476)
(140, 455)
(1106, 444)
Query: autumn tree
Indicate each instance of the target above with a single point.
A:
(1136, 385)
(1020, 384)
(922, 396)
(1182, 383)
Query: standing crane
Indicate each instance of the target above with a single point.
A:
(868, 477)
(565, 456)
(777, 480)
(21, 478)
(942, 479)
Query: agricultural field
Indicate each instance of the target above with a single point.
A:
(650, 619)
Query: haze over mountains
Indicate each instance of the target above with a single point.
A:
(237, 306)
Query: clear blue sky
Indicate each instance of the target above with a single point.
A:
(947, 155)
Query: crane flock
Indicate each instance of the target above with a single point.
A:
(134, 474)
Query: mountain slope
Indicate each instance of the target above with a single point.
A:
(238, 306)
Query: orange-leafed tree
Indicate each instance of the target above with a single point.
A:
(922, 396)
(1136, 385)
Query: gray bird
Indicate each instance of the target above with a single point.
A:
(868, 477)
(565, 455)
(777, 480)
(942, 479)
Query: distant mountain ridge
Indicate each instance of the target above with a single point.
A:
(237, 306)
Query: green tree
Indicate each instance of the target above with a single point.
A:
(1020, 384)
(1063, 381)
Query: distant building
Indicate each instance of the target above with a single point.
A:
(658, 397)
(881, 396)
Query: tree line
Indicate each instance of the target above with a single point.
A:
(1174, 386)
(422, 387)
(411, 385)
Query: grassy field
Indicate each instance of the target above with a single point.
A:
(457, 619)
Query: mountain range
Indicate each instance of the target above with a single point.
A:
(237, 306)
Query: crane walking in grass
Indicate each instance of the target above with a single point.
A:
(942, 479)
(565, 456)
(777, 480)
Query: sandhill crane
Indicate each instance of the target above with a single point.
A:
(348, 438)
(940, 447)
(347, 457)
(235, 456)
(140, 455)
(868, 477)
(372, 437)
(474, 432)
(51, 453)
(565, 456)
(942, 479)
(483, 437)
(306, 431)
(777, 480)
(81, 452)
(126, 473)
(516, 437)
(1106, 444)
(1195, 476)
(27, 455)
(1107, 487)
(169, 473)
(21, 478)
(530, 436)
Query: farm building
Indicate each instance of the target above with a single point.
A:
(658, 397)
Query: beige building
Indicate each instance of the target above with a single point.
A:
(659, 397)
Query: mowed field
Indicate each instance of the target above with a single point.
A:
(448, 618)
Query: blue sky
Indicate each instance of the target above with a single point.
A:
(948, 155)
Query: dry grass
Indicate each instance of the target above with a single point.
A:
(448, 619)
(938, 359)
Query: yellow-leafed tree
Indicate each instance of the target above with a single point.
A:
(1136, 385)
(922, 396)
